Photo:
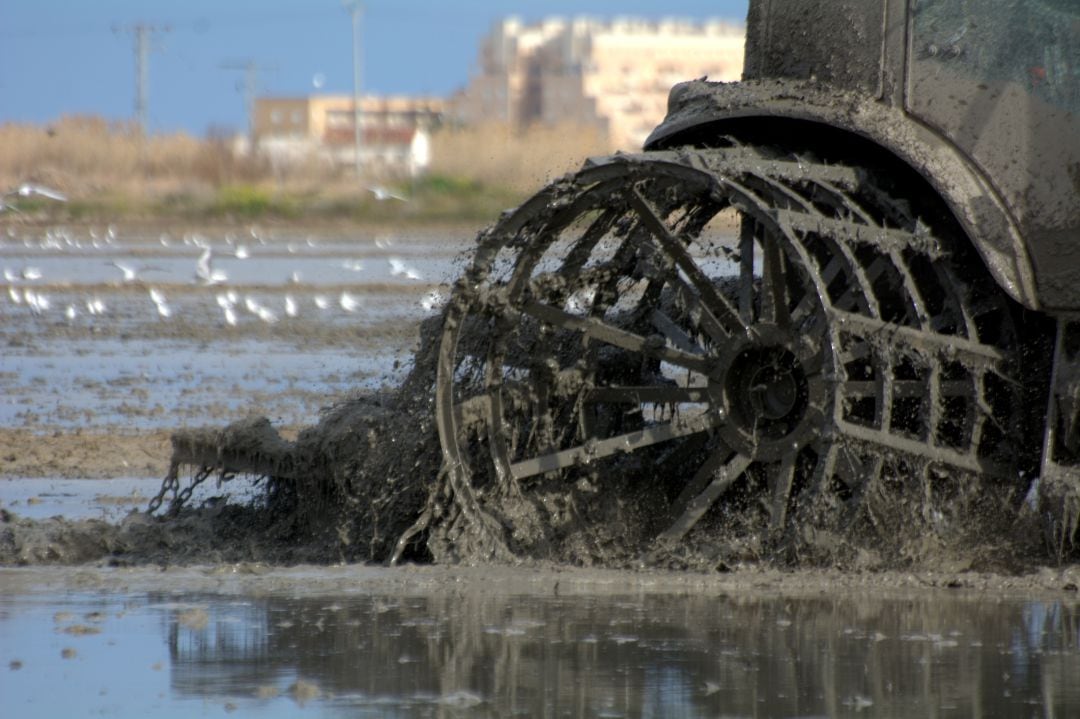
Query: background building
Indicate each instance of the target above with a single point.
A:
(395, 131)
(612, 74)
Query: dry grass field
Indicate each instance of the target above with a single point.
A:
(110, 170)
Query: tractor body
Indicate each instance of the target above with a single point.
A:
(836, 303)
(979, 98)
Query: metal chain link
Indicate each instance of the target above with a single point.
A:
(171, 483)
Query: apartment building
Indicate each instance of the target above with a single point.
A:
(615, 75)
(395, 131)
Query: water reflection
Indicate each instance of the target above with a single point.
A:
(649, 656)
(474, 651)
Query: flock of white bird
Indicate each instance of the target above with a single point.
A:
(25, 285)
(23, 291)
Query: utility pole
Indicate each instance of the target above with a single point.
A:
(142, 34)
(356, 9)
(250, 85)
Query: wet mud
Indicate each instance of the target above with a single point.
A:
(368, 483)
(363, 485)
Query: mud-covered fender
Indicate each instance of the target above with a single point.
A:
(968, 193)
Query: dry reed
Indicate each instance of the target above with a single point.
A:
(113, 164)
(497, 155)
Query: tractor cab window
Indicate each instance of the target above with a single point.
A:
(1030, 44)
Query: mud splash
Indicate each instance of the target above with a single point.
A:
(371, 482)
(364, 485)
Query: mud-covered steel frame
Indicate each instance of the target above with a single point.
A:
(803, 76)
(696, 105)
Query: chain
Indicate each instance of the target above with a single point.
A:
(171, 484)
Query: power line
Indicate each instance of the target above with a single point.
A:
(356, 9)
(143, 33)
(250, 83)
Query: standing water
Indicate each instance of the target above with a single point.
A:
(432, 642)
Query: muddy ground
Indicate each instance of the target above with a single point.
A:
(79, 455)
(338, 422)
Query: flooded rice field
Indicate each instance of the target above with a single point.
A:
(113, 338)
(104, 329)
(495, 642)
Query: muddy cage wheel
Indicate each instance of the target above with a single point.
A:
(730, 335)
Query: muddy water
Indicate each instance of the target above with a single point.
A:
(311, 318)
(500, 642)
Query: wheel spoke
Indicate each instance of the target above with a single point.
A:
(781, 479)
(599, 330)
(887, 333)
(715, 303)
(598, 449)
(516, 396)
(648, 395)
(674, 334)
(746, 270)
(916, 448)
(697, 309)
(774, 302)
(579, 254)
(720, 470)
(904, 389)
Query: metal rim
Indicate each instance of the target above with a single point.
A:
(827, 349)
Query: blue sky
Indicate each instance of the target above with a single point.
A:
(60, 57)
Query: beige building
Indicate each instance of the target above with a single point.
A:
(612, 74)
(395, 131)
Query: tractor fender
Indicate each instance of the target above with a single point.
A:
(699, 110)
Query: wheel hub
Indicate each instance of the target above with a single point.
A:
(774, 387)
(769, 389)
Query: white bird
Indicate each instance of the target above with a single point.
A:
(71, 313)
(242, 252)
(205, 272)
(38, 303)
(15, 296)
(382, 194)
(28, 189)
(384, 242)
(267, 315)
(399, 269)
(95, 306)
(290, 306)
(227, 304)
(10, 276)
(31, 273)
(252, 305)
(348, 302)
(321, 302)
(131, 272)
(354, 265)
(162, 306)
(295, 277)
